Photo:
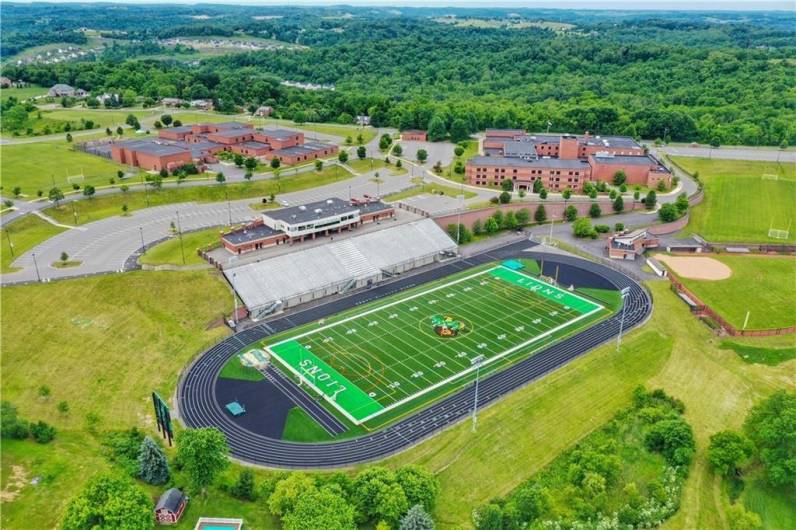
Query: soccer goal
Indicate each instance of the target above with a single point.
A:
(778, 233)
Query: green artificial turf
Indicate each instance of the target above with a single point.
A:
(740, 205)
(300, 427)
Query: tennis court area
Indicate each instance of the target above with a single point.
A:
(388, 354)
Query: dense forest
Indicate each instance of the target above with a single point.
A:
(725, 78)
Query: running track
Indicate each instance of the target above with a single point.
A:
(198, 407)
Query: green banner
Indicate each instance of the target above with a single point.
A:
(560, 296)
(330, 382)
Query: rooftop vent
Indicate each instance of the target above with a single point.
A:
(302, 207)
(318, 210)
(329, 201)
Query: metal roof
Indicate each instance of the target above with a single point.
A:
(308, 212)
(280, 134)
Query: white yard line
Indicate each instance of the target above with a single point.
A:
(597, 307)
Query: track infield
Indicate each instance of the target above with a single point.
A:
(383, 357)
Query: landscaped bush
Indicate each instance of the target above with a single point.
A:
(596, 484)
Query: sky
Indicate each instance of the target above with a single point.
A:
(669, 5)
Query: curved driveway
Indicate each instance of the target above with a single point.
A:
(198, 407)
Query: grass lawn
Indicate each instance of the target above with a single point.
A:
(24, 233)
(233, 369)
(368, 133)
(739, 204)
(470, 150)
(109, 205)
(22, 93)
(300, 427)
(763, 285)
(433, 188)
(775, 506)
(36, 166)
(365, 165)
(170, 253)
(761, 354)
(100, 117)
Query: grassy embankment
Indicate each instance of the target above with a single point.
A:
(740, 205)
(122, 336)
(24, 234)
(171, 252)
(366, 165)
(109, 205)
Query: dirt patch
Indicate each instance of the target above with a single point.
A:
(17, 481)
(696, 268)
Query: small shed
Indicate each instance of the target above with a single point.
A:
(170, 507)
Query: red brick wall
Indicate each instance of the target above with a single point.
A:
(229, 140)
(636, 173)
(414, 136)
(171, 134)
(492, 176)
(554, 209)
(568, 148)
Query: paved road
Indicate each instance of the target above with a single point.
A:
(733, 153)
(198, 408)
(105, 246)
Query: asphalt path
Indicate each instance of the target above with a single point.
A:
(198, 407)
(732, 153)
(105, 246)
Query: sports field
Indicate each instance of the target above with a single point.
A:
(383, 357)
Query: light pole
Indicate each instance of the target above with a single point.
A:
(179, 234)
(10, 244)
(143, 245)
(625, 293)
(36, 266)
(234, 301)
(477, 362)
(229, 207)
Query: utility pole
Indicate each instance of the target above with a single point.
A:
(229, 207)
(625, 293)
(234, 301)
(477, 362)
(179, 234)
(74, 211)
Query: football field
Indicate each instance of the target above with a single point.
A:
(391, 354)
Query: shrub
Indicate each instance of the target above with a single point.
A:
(602, 229)
(42, 432)
(11, 425)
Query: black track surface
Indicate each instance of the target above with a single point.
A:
(198, 406)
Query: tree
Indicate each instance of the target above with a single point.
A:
(422, 155)
(68, 137)
(507, 185)
(618, 204)
(286, 494)
(620, 177)
(459, 130)
(390, 503)
(728, 451)
(153, 468)
(166, 119)
(510, 220)
(531, 502)
(436, 129)
(742, 519)
(158, 125)
(478, 227)
(108, 131)
(238, 159)
(673, 438)
(343, 157)
(771, 425)
(109, 502)
(566, 194)
(275, 163)
(244, 486)
(203, 454)
(537, 186)
(320, 508)
(570, 213)
(681, 203)
(595, 211)
(362, 152)
(543, 194)
(491, 226)
(119, 131)
(11, 425)
(397, 150)
(360, 139)
(504, 197)
(55, 195)
(42, 432)
(582, 227)
(63, 407)
(64, 257)
(783, 144)
(164, 173)
(489, 517)
(177, 123)
(220, 178)
(318, 165)
(458, 150)
(540, 215)
(668, 213)
(416, 519)
(523, 216)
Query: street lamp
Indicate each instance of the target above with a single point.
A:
(10, 244)
(229, 207)
(36, 266)
(143, 245)
(179, 234)
(234, 300)
(477, 362)
(625, 293)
